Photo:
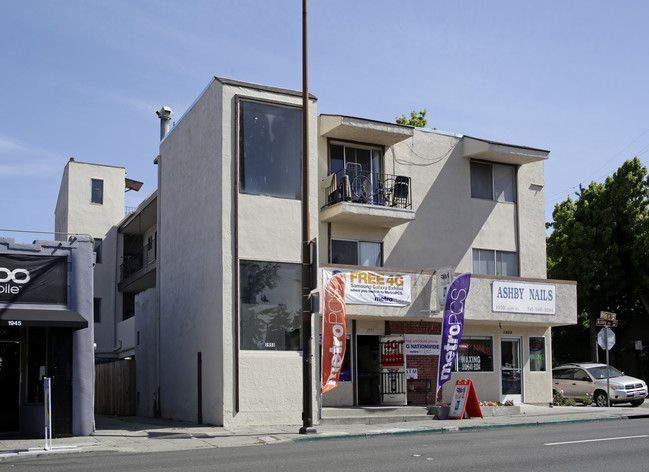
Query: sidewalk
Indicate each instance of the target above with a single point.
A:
(134, 434)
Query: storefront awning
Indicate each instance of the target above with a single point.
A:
(42, 318)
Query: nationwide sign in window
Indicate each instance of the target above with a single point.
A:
(518, 297)
(365, 287)
(33, 279)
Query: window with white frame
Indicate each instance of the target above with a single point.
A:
(475, 354)
(537, 354)
(493, 262)
(361, 253)
(270, 150)
(493, 181)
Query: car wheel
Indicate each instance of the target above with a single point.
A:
(600, 399)
(637, 402)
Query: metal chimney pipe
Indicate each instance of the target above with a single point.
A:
(165, 115)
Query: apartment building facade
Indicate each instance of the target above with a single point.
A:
(216, 325)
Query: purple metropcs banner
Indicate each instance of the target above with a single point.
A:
(453, 325)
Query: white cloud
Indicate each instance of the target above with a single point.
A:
(22, 159)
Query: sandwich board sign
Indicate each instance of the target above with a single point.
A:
(465, 400)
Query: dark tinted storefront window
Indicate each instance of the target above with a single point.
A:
(537, 354)
(475, 354)
(270, 306)
(270, 142)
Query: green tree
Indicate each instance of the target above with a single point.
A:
(601, 240)
(417, 119)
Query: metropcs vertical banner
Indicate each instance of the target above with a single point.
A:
(453, 325)
(334, 339)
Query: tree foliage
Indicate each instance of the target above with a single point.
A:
(417, 119)
(601, 240)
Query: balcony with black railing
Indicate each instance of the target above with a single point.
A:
(357, 196)
(137, 271)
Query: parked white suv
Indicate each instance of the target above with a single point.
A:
(588, 379)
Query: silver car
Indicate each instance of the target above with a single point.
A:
(588, 379)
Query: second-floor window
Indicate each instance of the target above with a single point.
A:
(351, 252)
(270, 150)
(493, 182)
(97, 191)
(492, 262)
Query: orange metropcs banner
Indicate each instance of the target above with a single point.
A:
(334, 337)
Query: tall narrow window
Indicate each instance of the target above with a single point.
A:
(97, 191)
(270, 150)
(98, 242)
(537, 354)
(97, 309)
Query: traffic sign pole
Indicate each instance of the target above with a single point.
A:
(607, 319)
(608, 374)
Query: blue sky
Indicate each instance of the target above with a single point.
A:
(83, 78)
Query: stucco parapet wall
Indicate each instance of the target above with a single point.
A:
(500, 152)
(479, 302)
(478, 309)
(371, 215)
(362, 130)
(38, 245)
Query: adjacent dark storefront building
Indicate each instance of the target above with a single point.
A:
(46, 303)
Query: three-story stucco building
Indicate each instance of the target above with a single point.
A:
(398, 210)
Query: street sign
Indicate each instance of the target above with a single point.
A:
(605, 322)
(605, 315)
(603, 337)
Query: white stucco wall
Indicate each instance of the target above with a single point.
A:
(479, 303)
(126, 337)
(146, 352)
(74, 211)
(106, 276)
(191, 198)
(196, 209)
(269, 229)
(531, 206)
(536, 387)
(449, 223)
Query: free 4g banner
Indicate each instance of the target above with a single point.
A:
(365, 287)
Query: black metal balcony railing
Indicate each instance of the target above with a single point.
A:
(138, 260)
(370, 188)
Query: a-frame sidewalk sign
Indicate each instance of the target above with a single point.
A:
(465, 400)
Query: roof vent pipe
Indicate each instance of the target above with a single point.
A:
(165, 115)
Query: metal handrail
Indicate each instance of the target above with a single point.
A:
(370, 188)
(138, 260)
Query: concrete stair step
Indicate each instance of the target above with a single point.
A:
(374, 414)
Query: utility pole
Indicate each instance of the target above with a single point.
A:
(307, 324)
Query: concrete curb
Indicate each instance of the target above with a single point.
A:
(144, 435)
(452, 429)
